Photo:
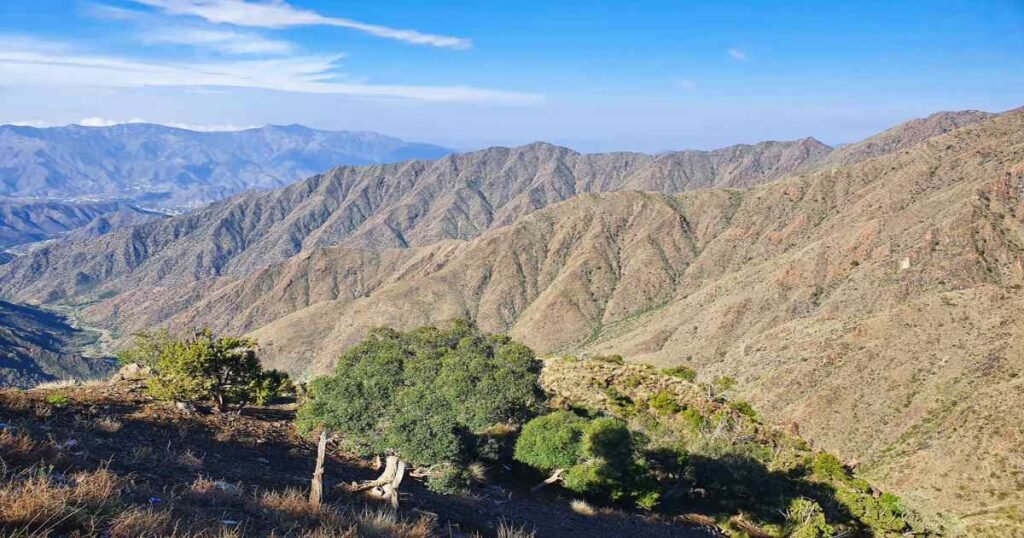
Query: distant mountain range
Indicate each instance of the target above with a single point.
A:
(867, 295)
(167, 167)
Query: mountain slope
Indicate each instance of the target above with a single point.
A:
(30, 221)
(38, 346)
(170, 167)
(873, 305)
(398, 205)
(904, 136)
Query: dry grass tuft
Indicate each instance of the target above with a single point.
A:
(582, 507)
(697, 520)
(140, 522)
(478, 472)
(59, 384)
(507, 530)
(190, 459)
(292, 509)
(217, 493)
(107, 425)
(384, 522)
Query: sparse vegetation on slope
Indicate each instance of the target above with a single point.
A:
(707, 455)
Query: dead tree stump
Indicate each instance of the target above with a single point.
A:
(316, 489)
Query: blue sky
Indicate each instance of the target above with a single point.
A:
(597, 75)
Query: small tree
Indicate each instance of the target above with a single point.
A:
(203, 367)
(425, 395)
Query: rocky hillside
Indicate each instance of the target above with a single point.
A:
(37, 346)
(29, 221)
(175, 168)
(904, 136)
(399, 205)
(871, 304)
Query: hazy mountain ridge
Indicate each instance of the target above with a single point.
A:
(396, 205)
(174, 167)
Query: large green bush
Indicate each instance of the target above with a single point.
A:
(203, 367)
(426, 394)
(600, 457)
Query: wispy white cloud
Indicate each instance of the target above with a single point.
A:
(63, 67)
(684, 84)
(226, 41)
(737, 54)
(280, 14)
(107, 122)
(99, 121)
(152, 28)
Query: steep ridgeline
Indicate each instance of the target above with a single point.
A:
(37, 346)
(30, 221)
(397, 205)
(903, 136)
(177, 168)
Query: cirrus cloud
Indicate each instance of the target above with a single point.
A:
(280, 14)
(62, 65)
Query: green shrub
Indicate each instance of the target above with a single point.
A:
(828, 467)
(681, 372)
(723, 384)
(611, 359)
(600, 457)
(426, 394)
(664, 403)
(202, 367)
(805, 519)
(448, 479)
(744, 408)
(619, 402)
(693, 418)
(883, 513)
(551, 441)
(58, 400)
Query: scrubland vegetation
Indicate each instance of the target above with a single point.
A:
(470, 413)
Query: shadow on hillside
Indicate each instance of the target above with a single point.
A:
(732, 484)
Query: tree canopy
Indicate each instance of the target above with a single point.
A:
(425, 394)
(201, 366)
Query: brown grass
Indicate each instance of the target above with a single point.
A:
(139, 522)
(37, 504)
(19, 448)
